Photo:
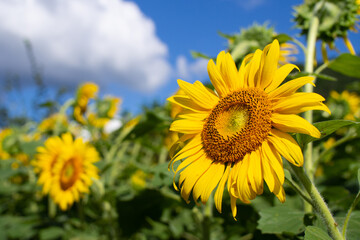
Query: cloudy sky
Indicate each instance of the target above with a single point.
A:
(133, 49)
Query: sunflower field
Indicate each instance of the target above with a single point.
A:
(266, 148)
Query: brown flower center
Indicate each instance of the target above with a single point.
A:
(237, 125)
(70, 173)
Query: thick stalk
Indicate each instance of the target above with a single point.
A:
(309, 68)
(318, 202)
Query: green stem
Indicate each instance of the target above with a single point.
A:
(353, 205)
(318, 202)
(207, 215)
(51, 208)
(309, 68)
(297, 189)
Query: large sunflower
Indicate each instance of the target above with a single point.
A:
(238, 133)
(66, 168)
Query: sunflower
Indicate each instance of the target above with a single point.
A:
(46, 158)
(3, 134)
(238, 133)
(49, 123)
(351, 102)
(85, 92)
(287, 50)
(66, 168)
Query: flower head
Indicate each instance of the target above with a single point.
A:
(49, 124)
(66, 168)
(3, 134)
(345, 104)
(85, 92)
(238, 133)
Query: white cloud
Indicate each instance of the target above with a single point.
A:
(102, 40)
(190, 72)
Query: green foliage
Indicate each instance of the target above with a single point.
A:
(336, 18)
(281, 219)
(326, 128)
(315, 233)
(346, 64)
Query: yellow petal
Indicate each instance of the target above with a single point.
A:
(208, 181)
(199, 94)
(294, 124)
(191, 174)
(233, 206)
(184, 152)
(280, 75)
(194, 116)
(220, 189)
(188, 126)
(217, 79)
(270, 64)
(255, 172)
(245, 190)
(189, 160)
(242, 70)
(253, 72)
(290, 87)
(300, 102)
(274, 160)
(230, 73)
(186, 102)
(286, 146)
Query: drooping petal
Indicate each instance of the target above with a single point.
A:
(233, 206)
(187, 150)
(244, 188)
(255, 172)
(208, 181)
(286, 146)
(274, 160)
(220, 189)
(189, 160)
(191, 174)
(294, 124)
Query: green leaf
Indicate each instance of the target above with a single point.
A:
(281, 219)
(358, 175)
(326, 128)
(346, 64)
(315, 233)
(195, 54)
(325, 77)
(282, 38)
(51, 233)
(353, 229)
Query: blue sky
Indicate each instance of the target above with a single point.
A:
(133, 49)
